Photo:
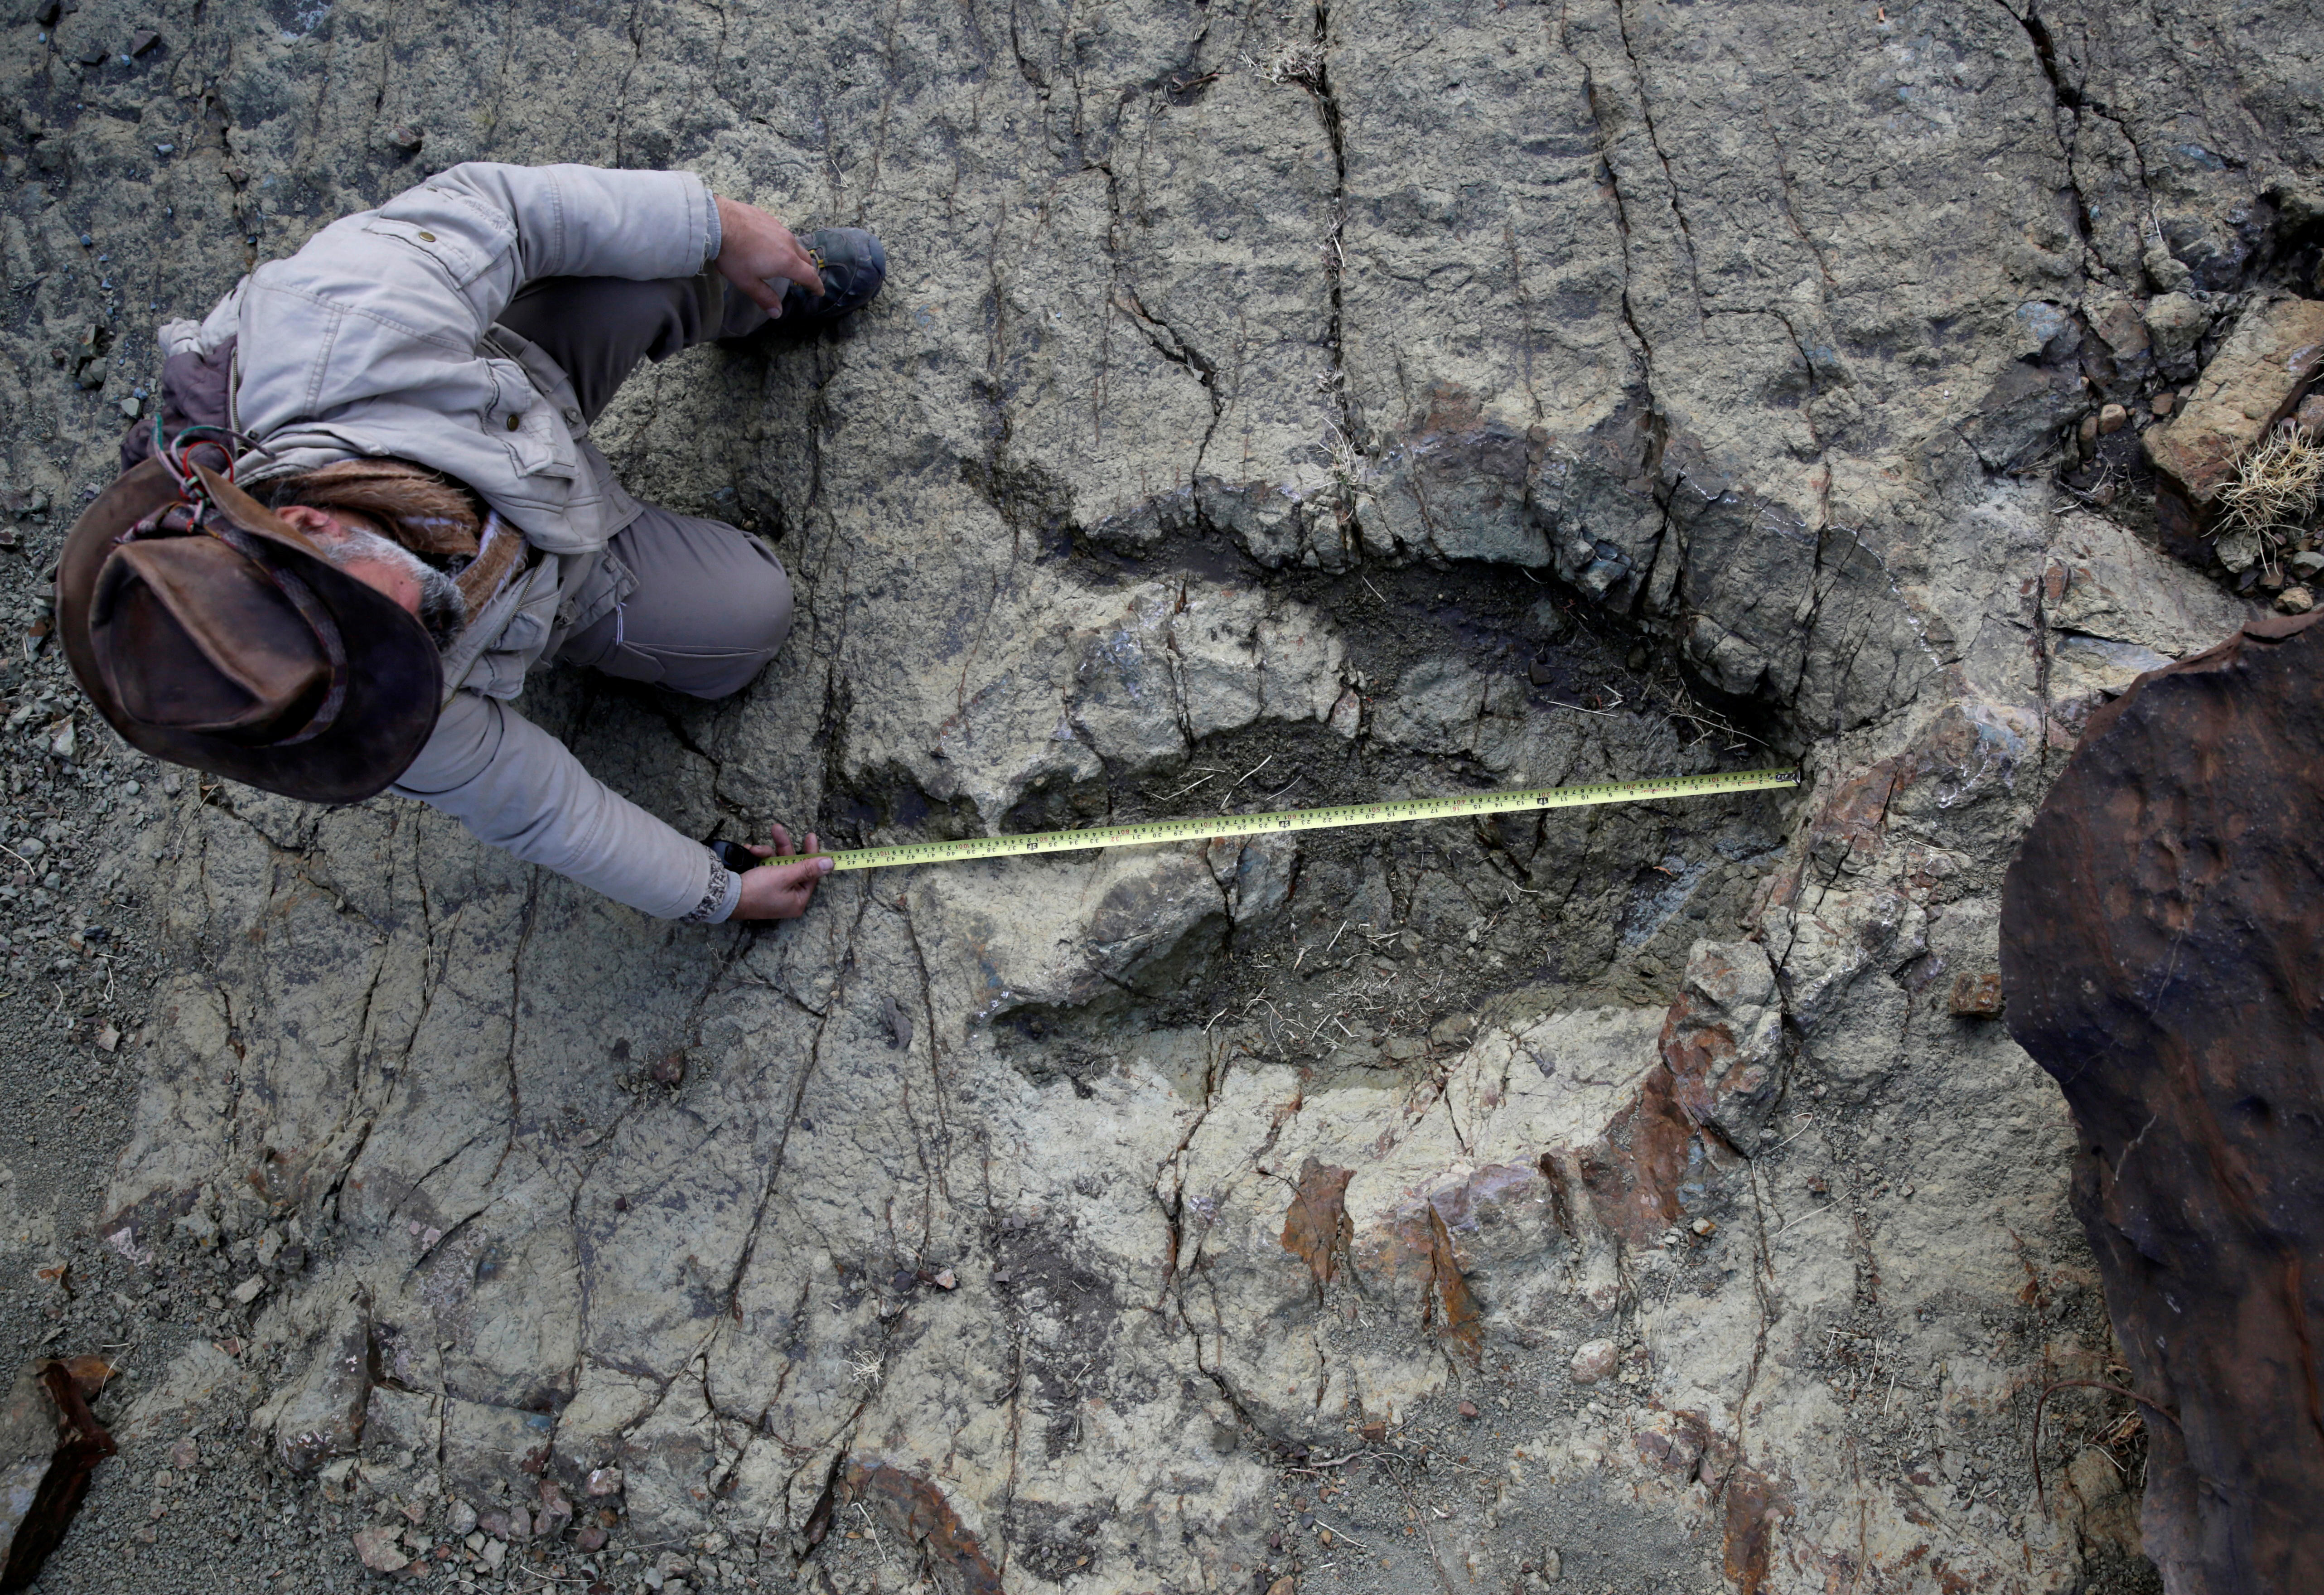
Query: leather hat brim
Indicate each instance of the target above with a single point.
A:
(395, 676)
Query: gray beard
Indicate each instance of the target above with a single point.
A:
(442, 610)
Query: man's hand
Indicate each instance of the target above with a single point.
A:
(753, 248)
(781, 891)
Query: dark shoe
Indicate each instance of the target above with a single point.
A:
(853, 266)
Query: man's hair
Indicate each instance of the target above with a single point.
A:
(434, 518)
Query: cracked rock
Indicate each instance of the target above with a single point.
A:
(1283, 409)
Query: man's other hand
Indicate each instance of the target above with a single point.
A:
(754, 249)
(781, 891)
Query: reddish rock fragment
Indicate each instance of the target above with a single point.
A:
(1723, 1040)
(1976, 996)
(917, 1508)
(1755, 1508)
(49, 1443)
(376, 1546)
(1316, 1229)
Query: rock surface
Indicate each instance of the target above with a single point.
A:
(2159, 938)
(1270, 405)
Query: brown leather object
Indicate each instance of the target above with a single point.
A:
(2163, 957)
(197, 655)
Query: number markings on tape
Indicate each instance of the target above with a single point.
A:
(1205, 827)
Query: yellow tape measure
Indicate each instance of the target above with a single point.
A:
(1203, 828)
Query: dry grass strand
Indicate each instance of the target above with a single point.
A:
(2276, 487)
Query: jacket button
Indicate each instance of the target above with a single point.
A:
(516, 422)
(573, 416)
(428, 237)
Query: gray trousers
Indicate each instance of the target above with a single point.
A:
(713, 604)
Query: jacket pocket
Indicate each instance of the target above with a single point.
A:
(526, 424)
(461, 263)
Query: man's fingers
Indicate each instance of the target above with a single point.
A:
(799, 266)
(789, 259)
(762, 256)
(783, 847)
(795, 887)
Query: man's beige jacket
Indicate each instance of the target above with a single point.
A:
(379, 337)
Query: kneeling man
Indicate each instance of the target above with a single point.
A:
(370, 505)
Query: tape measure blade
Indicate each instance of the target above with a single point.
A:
(1394, 811)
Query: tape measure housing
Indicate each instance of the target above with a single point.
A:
(1205, 827)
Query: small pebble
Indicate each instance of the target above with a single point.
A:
(2295, 600)
(2112, 420)
(376, 1547)
(2163, 403)
(1593, 1362)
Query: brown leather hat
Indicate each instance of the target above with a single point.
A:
(214, 635)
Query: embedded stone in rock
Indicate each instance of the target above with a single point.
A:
(2160, 931)
(1129, 921)
(2166, 271)
(487, 1448)
(1976, 996)
(1593, 1360)
(918, 1509)
(1316, 1229)
(1733, 665)
(1436, 707)
(321, 1416)
(554, 1513)
(2175, 324)
(377, 1549)
(2253, 381)
(1724, 1041)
